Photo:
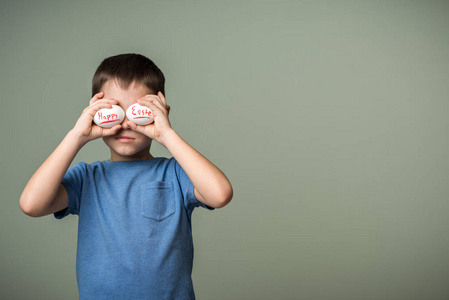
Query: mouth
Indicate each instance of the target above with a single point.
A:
(124, 139)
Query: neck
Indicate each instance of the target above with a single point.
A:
(144, 155)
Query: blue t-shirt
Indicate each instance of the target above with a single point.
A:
(134, 229)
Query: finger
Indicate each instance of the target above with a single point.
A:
(162, 97)
(157, 109)
(111, 131)
(135, 127)
(153, 104)
(152, 98)
(105, 100)
(102, 102)
(92, 110)
(96, 97)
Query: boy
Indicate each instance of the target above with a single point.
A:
(134, 233)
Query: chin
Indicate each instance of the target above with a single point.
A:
(130, 151)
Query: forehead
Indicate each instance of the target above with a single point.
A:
(112, 90)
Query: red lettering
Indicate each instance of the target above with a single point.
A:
(141, 112)
(109, 118)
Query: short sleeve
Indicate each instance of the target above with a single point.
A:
(187, 188)
(73, 182)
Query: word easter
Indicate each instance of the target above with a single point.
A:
(139, 114)
(108, 117)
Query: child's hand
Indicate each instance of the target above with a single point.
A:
(85, 128)
(161, 124)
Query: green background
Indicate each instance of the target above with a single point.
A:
(330, 118)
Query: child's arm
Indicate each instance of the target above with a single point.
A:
(44, 194)
(211, 185)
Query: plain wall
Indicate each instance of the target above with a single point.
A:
(330, 118)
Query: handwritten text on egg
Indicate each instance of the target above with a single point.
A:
(142, 113)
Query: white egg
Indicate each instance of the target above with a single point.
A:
(139, 114)
(108, 117)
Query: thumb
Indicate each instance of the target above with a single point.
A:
(135, 127)
(111, 131)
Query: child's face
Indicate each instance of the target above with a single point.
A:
(127, 144)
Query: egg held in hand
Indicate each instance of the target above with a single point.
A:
(108, 117)
(139, 114)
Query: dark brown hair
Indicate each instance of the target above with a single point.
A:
(127, 68)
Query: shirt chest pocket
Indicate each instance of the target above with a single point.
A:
(158, 200)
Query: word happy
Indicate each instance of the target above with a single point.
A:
(107, 118)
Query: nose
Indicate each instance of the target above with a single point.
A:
(125, 123)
